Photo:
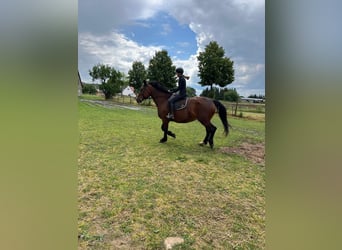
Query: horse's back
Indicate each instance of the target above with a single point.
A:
(202, 101)
(202, 106)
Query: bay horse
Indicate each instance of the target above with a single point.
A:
(197, 108)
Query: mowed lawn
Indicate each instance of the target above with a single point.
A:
(134, 191)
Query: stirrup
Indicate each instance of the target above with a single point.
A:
(169, 116)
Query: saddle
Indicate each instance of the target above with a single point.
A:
(181, 104)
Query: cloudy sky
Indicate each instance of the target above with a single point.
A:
(119, 32)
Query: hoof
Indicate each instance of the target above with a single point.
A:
(201, 144)
(162, 140)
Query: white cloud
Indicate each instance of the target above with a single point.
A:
(115, 50)
(247, 72)
(237, 25)
(119, 52)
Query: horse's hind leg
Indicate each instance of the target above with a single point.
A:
(171, 134)
(211, 135)
(205, 140)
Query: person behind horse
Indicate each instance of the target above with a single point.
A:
(179, 92)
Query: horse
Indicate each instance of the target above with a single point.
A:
(197, 108)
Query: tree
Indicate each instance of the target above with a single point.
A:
(226, 94)
(161, 69)
(214, 67)
(231, 95)
(111, 80)
(89, 89)
(101, 72)
(257, 96)
(137, 75)
(190, 92)
(213, 92)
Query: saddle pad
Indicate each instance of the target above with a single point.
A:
(181, 104)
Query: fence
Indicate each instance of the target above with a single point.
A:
(244, 107)
(241, 109)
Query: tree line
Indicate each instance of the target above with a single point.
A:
(215, 69)
(257, 96)
(230, 95)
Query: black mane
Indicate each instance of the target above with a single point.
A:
(160, 87)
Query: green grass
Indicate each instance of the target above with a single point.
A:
(134, 191)
(91, 97)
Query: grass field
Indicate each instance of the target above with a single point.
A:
(134, 191)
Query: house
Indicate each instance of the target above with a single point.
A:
(128, 91)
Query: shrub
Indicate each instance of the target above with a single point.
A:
(89, 89)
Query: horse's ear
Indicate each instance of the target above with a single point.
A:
(144, 82)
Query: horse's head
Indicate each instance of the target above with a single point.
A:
(144, 93)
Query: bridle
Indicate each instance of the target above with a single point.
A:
(141, 95)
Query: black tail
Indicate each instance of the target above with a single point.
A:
(222, 111)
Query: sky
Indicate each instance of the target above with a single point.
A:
(119, 32)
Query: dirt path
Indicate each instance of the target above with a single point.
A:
(252, 152)
(109, 104)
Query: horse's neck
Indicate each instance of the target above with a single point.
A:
(159, 97)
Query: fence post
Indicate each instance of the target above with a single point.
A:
(236, 106)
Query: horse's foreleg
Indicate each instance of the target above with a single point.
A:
(168, 132)
(164, 127)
